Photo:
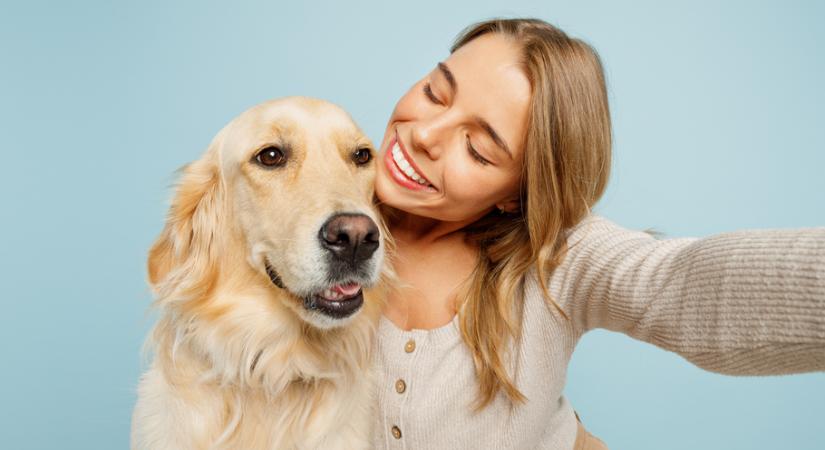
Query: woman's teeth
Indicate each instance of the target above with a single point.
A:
(405, 166)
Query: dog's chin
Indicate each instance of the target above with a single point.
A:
(330, 307)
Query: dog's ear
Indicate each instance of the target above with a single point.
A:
(182, 264)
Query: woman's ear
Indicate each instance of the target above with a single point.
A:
(182, 263)
(509, 206)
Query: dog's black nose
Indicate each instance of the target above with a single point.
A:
(350, 237)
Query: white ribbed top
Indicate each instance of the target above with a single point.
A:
(749, 302)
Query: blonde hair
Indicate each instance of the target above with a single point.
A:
(566, 166)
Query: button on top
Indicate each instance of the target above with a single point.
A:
(400, 386)
(410, 346)
(396, 432)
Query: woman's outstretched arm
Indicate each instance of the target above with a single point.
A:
(749, 302)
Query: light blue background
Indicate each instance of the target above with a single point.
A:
(718, 114)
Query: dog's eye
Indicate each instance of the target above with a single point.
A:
(362, 156)
(271, 157)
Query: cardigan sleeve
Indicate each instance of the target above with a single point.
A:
(748, 302)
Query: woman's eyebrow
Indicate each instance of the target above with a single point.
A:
(496, 138)
(448, 74)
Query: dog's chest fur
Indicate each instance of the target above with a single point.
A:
(302, 416)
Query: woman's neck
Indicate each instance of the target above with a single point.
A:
(419, 230)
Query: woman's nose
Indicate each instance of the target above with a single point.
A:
(425, 136)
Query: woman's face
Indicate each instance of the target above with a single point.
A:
(454, 144)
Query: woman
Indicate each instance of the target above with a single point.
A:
(487, 174)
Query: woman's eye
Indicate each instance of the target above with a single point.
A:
(271, 157)
(475, 154)
(429, 92)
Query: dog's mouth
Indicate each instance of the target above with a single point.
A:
(273, 276)
(337, 301)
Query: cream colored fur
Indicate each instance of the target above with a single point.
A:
(238, 362)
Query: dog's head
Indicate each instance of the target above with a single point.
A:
(283, 196)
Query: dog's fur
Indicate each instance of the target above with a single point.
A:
(239, 362)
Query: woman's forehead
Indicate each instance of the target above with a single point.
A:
(491, 83)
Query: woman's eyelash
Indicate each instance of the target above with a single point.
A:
(429, 92)
(475, 154)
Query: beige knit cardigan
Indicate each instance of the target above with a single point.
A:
(749, 302)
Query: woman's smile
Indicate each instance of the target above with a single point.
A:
(403, 169)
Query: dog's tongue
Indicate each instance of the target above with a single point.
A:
(347, 289)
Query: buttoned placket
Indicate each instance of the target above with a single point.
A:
(404, 367)
(412, 343)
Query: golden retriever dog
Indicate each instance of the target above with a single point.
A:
(268, 276)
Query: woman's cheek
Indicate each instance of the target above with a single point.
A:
(476, 190)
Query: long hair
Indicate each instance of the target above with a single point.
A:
(565, 170)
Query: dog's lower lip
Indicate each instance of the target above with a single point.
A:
(338, 309)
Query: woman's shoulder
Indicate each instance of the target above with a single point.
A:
(594, 221)
(596, 228)
(590, 225)
(588, 245)
(588, 238)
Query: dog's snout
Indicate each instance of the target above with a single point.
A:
(351, 237)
